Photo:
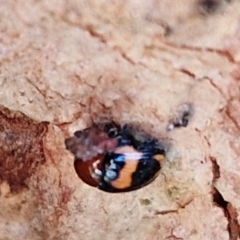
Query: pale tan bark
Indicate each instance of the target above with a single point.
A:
(73, 62)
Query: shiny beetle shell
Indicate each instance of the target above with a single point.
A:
(114, 158)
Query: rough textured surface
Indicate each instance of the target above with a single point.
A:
(74, 62)
(20, 148)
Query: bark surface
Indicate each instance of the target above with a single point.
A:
(65, 64)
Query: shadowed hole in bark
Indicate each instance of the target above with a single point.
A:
(208, 6)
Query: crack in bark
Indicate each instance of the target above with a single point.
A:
(183, 206)
(126, 57)
(220, 52)
(215, 86)
(41, 92)
(94, 34)
(90, 29)
(187, 72)
(229, 211)
(228, 113)
(228, 103)
(164, 212)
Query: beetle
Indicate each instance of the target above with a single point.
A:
(115, 158)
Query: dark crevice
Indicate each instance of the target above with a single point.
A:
(164, 212)
(218, 199)
(229, 211)
(187, 72)
(167, 30)
(215, 169)
(94, 34)
(208, 6)
(128, 59)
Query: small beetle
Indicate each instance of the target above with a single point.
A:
(115, 158)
